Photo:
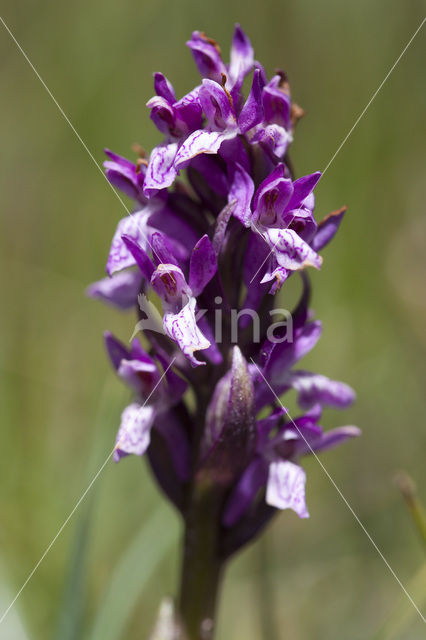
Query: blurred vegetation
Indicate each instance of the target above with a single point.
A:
(60, 404)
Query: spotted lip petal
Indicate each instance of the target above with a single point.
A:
(201, 141)
(134, 434)
(286, 487)
(161, 171)
(290, 251)
(182, 328)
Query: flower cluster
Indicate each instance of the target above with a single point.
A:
(220, 224)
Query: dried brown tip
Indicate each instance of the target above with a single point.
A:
(139, 150)
(211, 41)
(284, 84)
(296, 113)
(332, 214)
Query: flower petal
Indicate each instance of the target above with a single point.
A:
(286, 487)
(189, 111)
(277, 103)
(291, 252)
(303, 187)
(164, 88)
(330, 439)
(182, 328)
(135, 226)
(252, 111)
(207, 56)
(161, 172)
(242, 57)
(216, 105)
(170, 285)
(253, 478)
(141, 375)
(201, 141)
(275, 136)
(125, 175)
(134, 433)
(116, 349)
(285, 354)
(141, 257)
(272, 197)
(241, 190)
(327, 227)
(314, 388)
(121, 290)
(203, 265)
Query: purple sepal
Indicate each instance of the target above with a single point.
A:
(271, 198)
(314, 388)
(121, 290)
(243, 494)
(140, 256)
(241, 191)
(203, 265)
(242, 59)
(216, 106)
(163, 249)
(115, 349)
(329, 439)
(164, 88)
(327, 228)
(283, 355)
(277, 103)
(125, 175)
(207, 56)
(252, 111)
(221, 226)
(176, 439)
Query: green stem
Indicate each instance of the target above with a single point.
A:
(202, 566)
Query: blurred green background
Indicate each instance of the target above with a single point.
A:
(60, 404)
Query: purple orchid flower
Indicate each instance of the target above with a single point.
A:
(219, 224)
(154, 395)
(178, 297)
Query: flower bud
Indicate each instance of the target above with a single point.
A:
(230, 432)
